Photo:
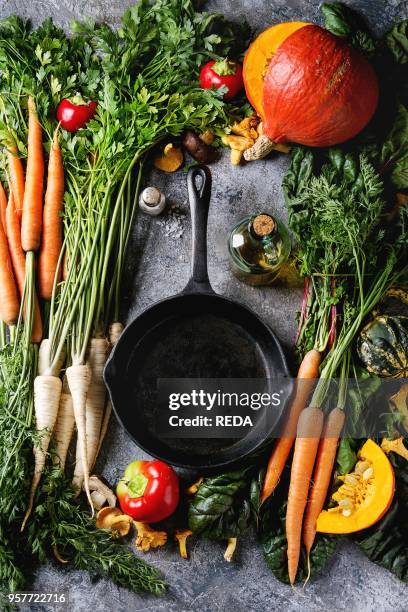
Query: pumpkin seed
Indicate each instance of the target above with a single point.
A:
(346, 512)
(368, 473)
(361, 467)
(345, 503)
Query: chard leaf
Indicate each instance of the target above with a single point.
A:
(397, 41)
(394, 152)
(386, 543)
(273, 538)
(221, 508)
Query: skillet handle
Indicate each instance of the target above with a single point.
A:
(199, 197)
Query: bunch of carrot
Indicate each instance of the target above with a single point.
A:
(312, 434)
(32, 244)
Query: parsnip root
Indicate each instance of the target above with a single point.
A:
(95, 403)
(44, 359)
(47, 391)
(79, 379)
(64, 428)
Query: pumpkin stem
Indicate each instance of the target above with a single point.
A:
(262, 147)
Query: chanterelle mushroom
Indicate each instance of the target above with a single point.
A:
(148, 538)
(181, 536)
(229, 552)
(193, 488)
(113, 519)
(395, 446)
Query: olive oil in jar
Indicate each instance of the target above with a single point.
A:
(258, 247)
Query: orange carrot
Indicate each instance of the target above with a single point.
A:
(308, 371)
(19, 262)
(13, 231)
(3, 207)
(33, 194)
(307, 442)
(51, 243)
(16, 174)
(326, 456)
(9, 302)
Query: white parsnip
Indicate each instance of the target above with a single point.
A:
(79, 379)
(47, 391)
(64, 426)
(104, 426)
(44, 360)
(95, 403)
(115, 332)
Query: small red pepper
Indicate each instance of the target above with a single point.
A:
(75, 114)
(225, 72)
(149, 491)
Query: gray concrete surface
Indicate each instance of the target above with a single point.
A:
(159, 266)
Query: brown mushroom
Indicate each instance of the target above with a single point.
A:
(198, 149)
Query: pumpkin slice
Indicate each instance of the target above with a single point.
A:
(365, 495)
(258, 57)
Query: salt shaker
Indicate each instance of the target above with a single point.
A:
(152, 201)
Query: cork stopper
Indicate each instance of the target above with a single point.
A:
(151, 196)
(263, 225)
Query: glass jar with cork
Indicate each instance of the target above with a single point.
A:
(258, 246)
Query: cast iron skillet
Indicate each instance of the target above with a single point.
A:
(195, 334)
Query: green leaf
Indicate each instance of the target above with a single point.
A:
(397, 41)
(342, 21)
(386, 543)
(346, 456)
(221, 508)
(274, 543)
(394, 152)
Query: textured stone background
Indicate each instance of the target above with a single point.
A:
(159, 266)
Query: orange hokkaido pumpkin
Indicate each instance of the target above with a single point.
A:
(365, 495)
(316, 90)
(258, 57)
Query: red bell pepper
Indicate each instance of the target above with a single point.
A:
(149, 491)
(225, 72)
(75, 114)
